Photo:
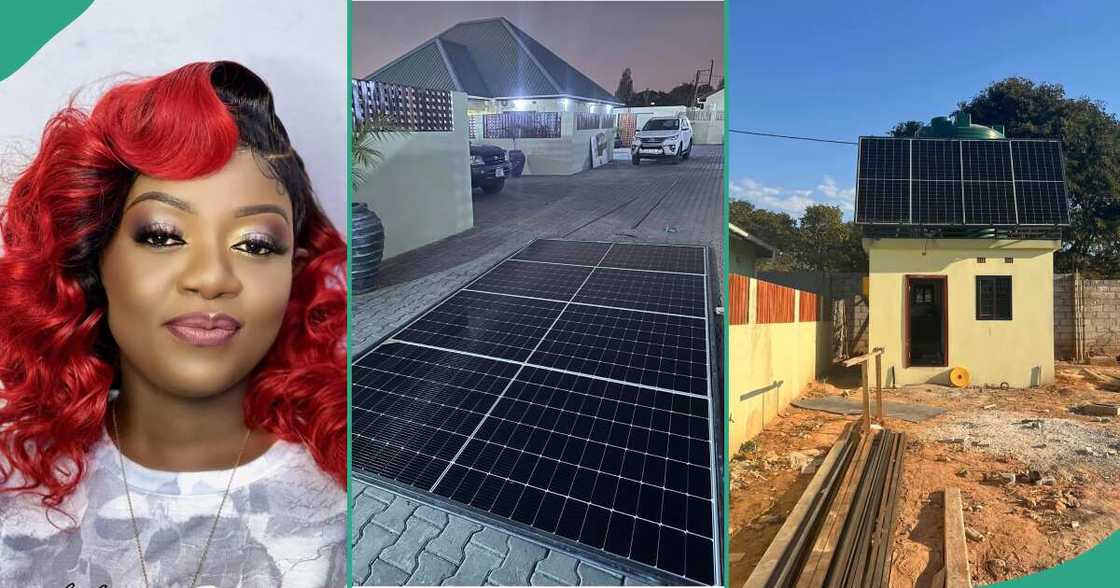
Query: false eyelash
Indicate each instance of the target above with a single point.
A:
(273, 246)
(158, 231)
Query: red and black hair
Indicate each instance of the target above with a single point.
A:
(57, 357)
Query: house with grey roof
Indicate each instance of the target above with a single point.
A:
(500, 68)
(520, 95)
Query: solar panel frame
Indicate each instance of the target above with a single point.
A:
(990, 175)
(712, 396)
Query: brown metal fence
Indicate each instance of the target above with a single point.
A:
(809, 308)
(739, 293)
(775, 303)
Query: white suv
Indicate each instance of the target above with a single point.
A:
(662, 136)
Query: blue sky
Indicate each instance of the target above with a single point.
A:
(839, 70)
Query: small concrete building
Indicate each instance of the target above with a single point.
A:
(746, 250)
(960, 226)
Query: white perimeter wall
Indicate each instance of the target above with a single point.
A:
(421, 189)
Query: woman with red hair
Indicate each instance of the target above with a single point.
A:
(172, 347)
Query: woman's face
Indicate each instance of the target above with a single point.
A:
(198, 277)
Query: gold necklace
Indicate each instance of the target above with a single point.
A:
(131, 515)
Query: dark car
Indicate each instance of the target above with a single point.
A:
(490, 167)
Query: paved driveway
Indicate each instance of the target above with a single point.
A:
(400, 540)
(656, 202)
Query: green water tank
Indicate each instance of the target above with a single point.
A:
(961, 128)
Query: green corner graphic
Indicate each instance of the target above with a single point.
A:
(26, 26)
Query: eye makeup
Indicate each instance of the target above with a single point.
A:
(157, 234)
(259, 243)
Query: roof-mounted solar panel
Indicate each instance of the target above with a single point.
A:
(960, 183)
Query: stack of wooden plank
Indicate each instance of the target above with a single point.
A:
(839, 533)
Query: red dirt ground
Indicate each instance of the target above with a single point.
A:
(1025, 527)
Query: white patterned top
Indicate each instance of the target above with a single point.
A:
(284, 524)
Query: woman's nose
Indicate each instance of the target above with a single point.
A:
(210, 272)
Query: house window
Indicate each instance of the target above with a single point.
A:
(993, 298)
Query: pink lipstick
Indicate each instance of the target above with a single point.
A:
(204, 329)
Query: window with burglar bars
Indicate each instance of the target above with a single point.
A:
(404, 107)
(592, 120)
(522, 125)
(993, 298)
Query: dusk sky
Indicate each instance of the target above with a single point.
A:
(845, 69)
(663, 43)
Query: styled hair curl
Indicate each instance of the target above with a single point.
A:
(57, 356)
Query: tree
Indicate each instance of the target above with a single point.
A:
(820, 241)
(625, 91)
(1090, 138)
(905, 129)
(828, 244)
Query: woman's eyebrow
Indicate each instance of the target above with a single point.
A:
(164, 198)
(260, 209)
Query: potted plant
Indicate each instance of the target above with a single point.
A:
(367, 233)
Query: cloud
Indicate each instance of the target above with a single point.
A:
(793, 201)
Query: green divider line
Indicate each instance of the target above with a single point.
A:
(1090, 569)
(26, 26)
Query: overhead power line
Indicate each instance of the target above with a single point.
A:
(761, 134)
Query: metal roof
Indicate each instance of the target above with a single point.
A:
(490, 58)
(764, 249)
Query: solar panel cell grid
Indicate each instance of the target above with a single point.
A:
(971, 182)
(988, 161)
(483, 323)
(936, 160)
(883, 201)
(616, 456)
(937, 202)
(884, 159)
(656, 350)
(658, 292)
(1037, 161)
(988, 203)
(1041, 202)
(414, 407)
(540, 280)
(665, 258)
(573, 252)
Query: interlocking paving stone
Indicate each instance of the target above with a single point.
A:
(478, 562)
(372, 540)
(404, 553)
(431, 515)
(451, 541)
(593, 576)
(493, 540)
(395, 516)
(431, 571)
(559, 566)
(519, 563)
(384, 574)
(366, 508)
(463, 552)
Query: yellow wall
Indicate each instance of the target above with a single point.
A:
(1019, 352)
(769, 365)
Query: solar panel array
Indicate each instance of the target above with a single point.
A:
(567, 389)
(960, 182)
